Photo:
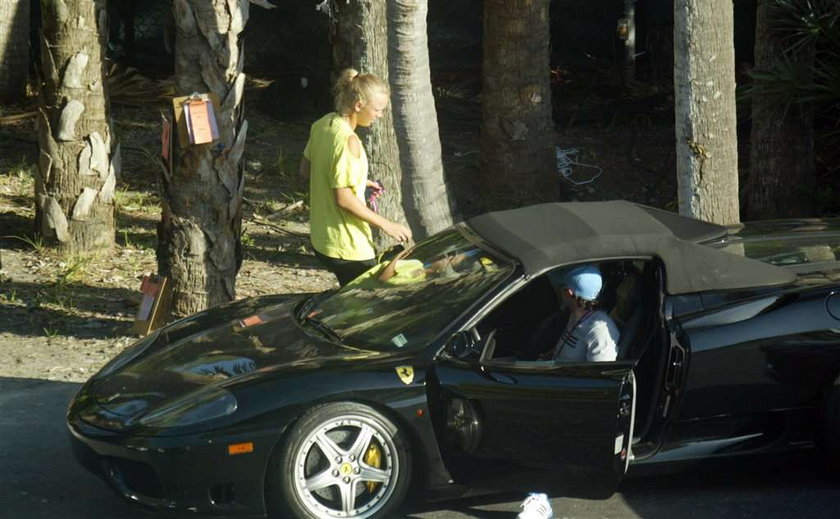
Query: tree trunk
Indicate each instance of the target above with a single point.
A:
(781, 178)
(75, 187)
(517, 153)
(360, 40)
(704, 96)
(14, 50)
(426, 198)
(630, 42)
(199, 246)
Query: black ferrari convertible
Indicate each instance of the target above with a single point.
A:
(427, 372)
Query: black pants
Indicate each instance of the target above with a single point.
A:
(345, 270)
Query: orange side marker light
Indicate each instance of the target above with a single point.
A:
(240, 448)
(250, 321)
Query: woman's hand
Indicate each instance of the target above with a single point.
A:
(347, 201)
(376, 188)
(399, 232)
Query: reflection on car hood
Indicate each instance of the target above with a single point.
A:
(217, 347)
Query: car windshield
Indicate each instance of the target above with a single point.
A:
(405, 302)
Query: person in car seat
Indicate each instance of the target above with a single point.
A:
(590, 334)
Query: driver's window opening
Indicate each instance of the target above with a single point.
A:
(539, 322)
(528, 323)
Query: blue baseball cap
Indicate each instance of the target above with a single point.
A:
(585, 281)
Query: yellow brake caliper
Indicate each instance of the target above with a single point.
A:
(373, 458)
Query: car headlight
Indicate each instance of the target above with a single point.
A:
(202, 406)
(127, 355)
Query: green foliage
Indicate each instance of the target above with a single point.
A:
(126, 240)
(804, 27)
(805, 22)
(10, 297)
(72, 270)
(23, 169)
(36, 242)
(135, 201)
(806, 75)
(247, 240)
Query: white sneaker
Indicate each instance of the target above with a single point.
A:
(536, 506)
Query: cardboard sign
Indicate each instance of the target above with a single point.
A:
(186, 130)
(154, 306)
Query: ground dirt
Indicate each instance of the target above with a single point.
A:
(62, 318)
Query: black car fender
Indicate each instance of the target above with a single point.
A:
(406, 404)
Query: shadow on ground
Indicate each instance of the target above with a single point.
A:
(40, 310)
(39, 477)
(41, 480)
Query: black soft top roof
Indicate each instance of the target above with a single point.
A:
(545, 236)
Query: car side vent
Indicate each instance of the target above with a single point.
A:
(222, 494)
(133, 476)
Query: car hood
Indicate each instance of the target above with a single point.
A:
(216, 348)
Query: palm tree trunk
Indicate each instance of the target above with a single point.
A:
(199, 246)
(14, 49)
(426, 198)
(704, 95)
(361, 41)
(781, 177)
(77, 174)
(517, 152)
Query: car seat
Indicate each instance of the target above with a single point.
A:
(545, 335)
(632, 311)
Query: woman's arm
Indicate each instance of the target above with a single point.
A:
(347, 201)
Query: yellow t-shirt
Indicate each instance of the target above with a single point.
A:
(335, 232)
(405, 272)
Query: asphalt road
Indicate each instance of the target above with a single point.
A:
(40, 480)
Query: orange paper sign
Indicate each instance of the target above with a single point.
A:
(201, 121)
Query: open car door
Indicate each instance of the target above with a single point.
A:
(534, 414)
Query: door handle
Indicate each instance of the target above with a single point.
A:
(624, 409)
(625, 405)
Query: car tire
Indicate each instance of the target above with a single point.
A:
(341, 460)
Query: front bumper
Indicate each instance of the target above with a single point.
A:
(178, 474)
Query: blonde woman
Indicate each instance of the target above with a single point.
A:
(337, 167)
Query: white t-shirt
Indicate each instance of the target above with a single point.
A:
(593, 338)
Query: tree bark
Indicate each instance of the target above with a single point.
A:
(199, 246)
(781, 178)
(77, 168)
(14, 50)
(517, 153)
(426, 198)
(360, 40)
(704, 96)
(630, 42)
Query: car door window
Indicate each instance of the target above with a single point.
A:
(527, 326)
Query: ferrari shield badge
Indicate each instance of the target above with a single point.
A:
(406, 374)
